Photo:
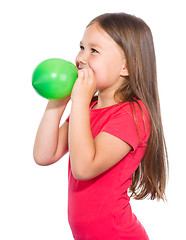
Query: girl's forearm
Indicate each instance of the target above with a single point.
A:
(81, 143)
(46, 141)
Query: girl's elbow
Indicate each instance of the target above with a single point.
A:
(81, 174)
(47, 160)
(41, 160)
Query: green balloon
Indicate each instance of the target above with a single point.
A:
(54, 78)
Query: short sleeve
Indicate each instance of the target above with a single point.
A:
(123, 126)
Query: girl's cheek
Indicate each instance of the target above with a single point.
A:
(93, 66)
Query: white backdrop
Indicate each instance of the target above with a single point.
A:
(33, 200)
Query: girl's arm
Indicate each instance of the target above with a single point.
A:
(90, 157)
(51, 142)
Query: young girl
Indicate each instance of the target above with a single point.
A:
(115, 139)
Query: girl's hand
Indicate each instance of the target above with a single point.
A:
(84, 87)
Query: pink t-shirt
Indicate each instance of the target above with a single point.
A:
(99, 209)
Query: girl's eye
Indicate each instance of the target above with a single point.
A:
(81, 47)
(94, 50)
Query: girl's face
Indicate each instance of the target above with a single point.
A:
(102, 54)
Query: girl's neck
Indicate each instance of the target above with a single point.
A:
(105, 100)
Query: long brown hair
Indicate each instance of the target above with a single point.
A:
(134, 36)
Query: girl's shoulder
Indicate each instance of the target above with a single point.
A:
(129, 121)
(135, 112)
(136, 107)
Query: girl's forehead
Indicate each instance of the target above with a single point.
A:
(95, 34)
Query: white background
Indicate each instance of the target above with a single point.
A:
(33, 199)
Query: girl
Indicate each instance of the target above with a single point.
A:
(115, 139)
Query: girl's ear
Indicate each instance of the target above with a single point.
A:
(124, 71)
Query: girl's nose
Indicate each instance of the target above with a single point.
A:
(82, 61)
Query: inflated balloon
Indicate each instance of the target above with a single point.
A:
(54, 78)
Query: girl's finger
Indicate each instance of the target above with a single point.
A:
(86, 74)
(81, 74)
